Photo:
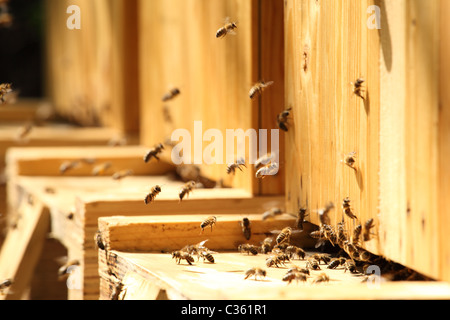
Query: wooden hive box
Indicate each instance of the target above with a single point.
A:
(72, 204)
(136, 264)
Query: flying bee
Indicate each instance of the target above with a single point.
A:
(5, 88)
(293, 251)
(282, 119)
(320, 236)
(186, 189)
(347, 209)
(180, 255)
(246, 229)
(271, 213)
(264, 160)
(330, 234)
(231, 168)
(259, 87)
(228, 28)
(67, 268)
(341, 234)
(257, 272)
(294, 275)
(171, 94)
(356, 235)
(269, 170)
(367, 226)
(152, 195)
(323, 277)
(358, 88)
(350, 160)
(266, 245)
(323, 213)
(210, 221)
(301, 218)
(101, 168)
(249, 248)
(312, 264)
(153, 153)
(122, 174)
(5, 284)
(25, 130)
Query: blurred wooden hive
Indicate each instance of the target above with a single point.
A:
(313, 50)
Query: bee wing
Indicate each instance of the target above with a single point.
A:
(275, 231)
(200, 244)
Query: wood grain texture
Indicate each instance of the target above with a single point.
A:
(178, 48)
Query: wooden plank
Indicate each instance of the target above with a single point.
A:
(22, 248)
(218, 281)
(444, 146)
(170, 233)
(22, 110)
(328, 45)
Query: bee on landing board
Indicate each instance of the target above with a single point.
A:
(323, 277)
(180, 255)
(152, 194)
(257, 272)
(284, 235)
(282, 119)
(210, 221)
(249, 248)
(171, 94)
(258, 88)
(295, 275)
(5, 88)
(228, 28)
(153, 153)
(186, 189)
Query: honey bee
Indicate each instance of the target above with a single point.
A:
(186, 189)
(5, 284)
(330, 234)
(99, 240)
(181, 255)
(312, 264)
(206, 255)
(101, 168)
(257, 272)
(122, 174)
(68, 165)
(246, 229)
(323, 277)
(153, 153)
(350, 160)
(259, 87)
(249, 248)
(274, 261)
(271, 213)
(210, 221)
(25, 130)
(364, 255)
(231, 168)
(282, 119)
(358, 89)
(367, 226)
(356, 235)
(194, 249)
(294, 275)
(341, 234)
(334, 264)
(352, 250)
(269, 170)
(323, 213)
(301, 218)
(266, 245)
(321, 257)
(264, 160)
(298, 269)
(171, 94)
(152, 195)
(67, 268)
(228, 28)
(284, 235)
(350, 266)
(347, 209)
(293, 251)
(5, 88)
